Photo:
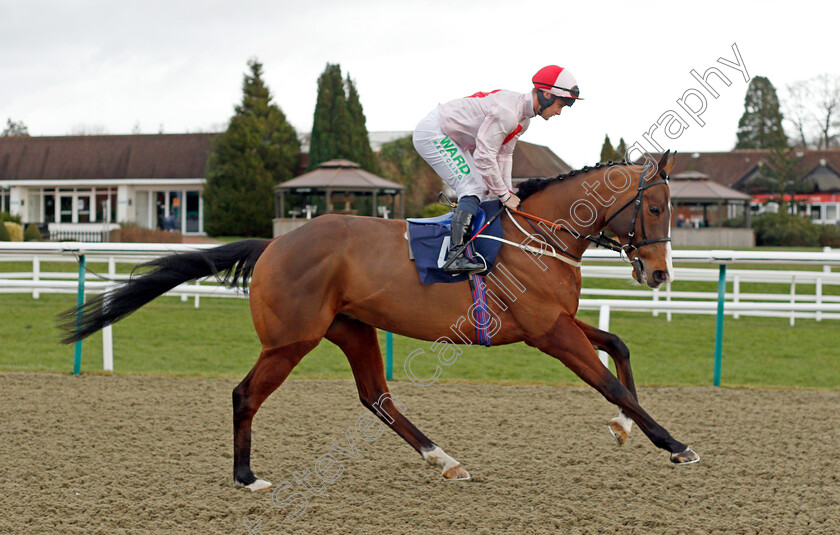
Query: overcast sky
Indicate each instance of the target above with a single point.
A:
(177, 66)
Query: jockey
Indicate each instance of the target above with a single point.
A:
(489, 124)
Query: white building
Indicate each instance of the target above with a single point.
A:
(154, 181)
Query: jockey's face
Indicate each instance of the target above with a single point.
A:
(552, 110)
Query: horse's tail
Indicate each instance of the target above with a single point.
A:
(232, 264)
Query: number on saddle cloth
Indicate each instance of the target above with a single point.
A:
(429, 240)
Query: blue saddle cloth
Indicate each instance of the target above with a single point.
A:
(429, 242)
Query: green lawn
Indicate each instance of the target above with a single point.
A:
(170, 337)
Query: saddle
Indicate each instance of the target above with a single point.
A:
(428, 243)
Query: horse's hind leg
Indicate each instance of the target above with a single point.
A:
(359, 342)
(567, 342)
(619, 426)
(268, 373)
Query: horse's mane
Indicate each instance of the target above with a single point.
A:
(534, 185)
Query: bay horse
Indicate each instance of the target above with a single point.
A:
(343, 277)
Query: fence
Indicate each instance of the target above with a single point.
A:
(83, 232)
(794, 305)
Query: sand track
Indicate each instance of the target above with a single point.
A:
(116, 455)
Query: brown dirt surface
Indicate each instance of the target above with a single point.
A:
(114, 455)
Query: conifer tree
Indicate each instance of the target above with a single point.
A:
(621, 150)
(607, 150)
(331, 126)
(760, 126)
(359, 139)
(259, 150)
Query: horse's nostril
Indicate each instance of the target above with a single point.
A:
(660, 276)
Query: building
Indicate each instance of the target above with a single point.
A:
(154, 181)
(746, 171)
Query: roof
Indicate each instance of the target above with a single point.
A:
(690, 175)
(104, 157)
(341, 175)
(536, 161)
(824, 177)
(698, 190)
(727, 168)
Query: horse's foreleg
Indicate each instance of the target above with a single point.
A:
(359, 342)
(619, 426)
(568, 343)
(268, 373)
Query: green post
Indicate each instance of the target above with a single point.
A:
(389, 356)
(80, 300)
(719, 331)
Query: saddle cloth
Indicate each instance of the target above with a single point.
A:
(428, 242)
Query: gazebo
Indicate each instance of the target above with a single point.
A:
(692, 190)
(335, 187)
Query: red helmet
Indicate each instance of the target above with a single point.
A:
(559, 82)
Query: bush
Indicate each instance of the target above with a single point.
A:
(32, 233)
(733, 222)
(133, 233)
(784, 229)
(829, 235)
(4, 233)
(6, 216)
(433, 210)
(15, 231)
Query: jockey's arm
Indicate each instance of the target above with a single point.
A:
(488, 147)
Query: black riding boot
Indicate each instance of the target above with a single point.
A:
(461, 224)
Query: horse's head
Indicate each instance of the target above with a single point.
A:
(643, 223)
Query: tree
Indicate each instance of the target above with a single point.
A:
(607, 151)
(826, 96)
(812, 107)
(400, 162)
(798, 113)
(760, 126)
(621, 150)
(331, 130)
(360, 149)
(258, 150)
(15, 129)
(339, 129)
(780, 174)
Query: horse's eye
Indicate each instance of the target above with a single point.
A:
(655, 210)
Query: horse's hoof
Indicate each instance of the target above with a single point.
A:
(686, 457)
(618, 432)
(259, 484)
(456, 473)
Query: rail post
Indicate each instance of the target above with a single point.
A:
(80, 300)
(719, 330)
(389, 356)
(604, 325)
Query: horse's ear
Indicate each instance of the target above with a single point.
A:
(666, 163)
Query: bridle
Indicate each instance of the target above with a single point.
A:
(602, 240)
(639, 204)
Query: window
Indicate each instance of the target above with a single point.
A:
(831, 213)
(816, 212)
(192, 211)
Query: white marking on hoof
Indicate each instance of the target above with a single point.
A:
(257, 485)
(451, 469)
(456, 473)
(688, 456)
(620, 427)
(625, 422)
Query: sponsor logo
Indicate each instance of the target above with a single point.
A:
(452, 154)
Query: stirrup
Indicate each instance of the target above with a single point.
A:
(455, 265)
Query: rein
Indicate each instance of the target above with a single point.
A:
(602, 240)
